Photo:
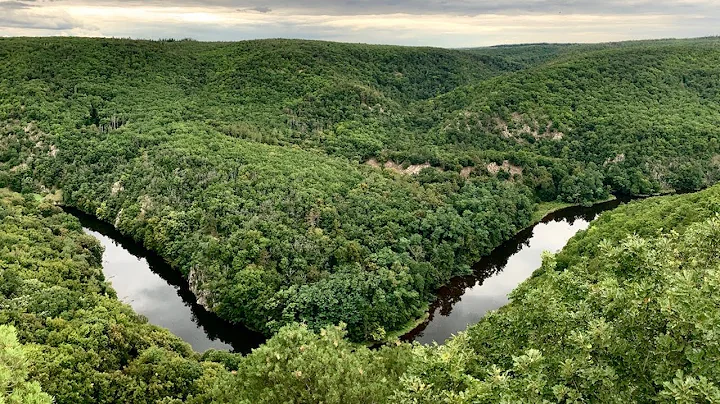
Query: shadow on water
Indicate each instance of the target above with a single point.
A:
(145, 281)
(465, 300)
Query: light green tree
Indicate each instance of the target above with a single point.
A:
(14, 386)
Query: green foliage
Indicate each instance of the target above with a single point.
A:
(298, 366)
(638, 117)
(631, 319)
(82, 344)
(238, 162)
(14, 386)
(256, 169)
(645, 218)
(186, 147)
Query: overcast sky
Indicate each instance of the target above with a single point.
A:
(446, 23)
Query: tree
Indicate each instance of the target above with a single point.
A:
(14, 386)
(688, 177)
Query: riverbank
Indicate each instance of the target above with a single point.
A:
(545, 209)
(465, 299)
(154, 289)
(542, 212)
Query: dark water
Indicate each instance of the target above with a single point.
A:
(467, 299)
(148, 284)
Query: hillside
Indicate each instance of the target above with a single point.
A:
(243, 164)
(184, 146)
(254, 78)
(80, 343)
(634, 318)
(320, 193)
(641, 117)
(631, 317)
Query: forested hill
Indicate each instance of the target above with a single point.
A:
(253, 80)
(627, 313)
(644, 114)
(324, 183)
(184, 146)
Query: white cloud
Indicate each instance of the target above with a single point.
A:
(451, 23)
(26, 16)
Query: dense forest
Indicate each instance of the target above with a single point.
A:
(626, 313)
(267, 231)
(243, 164)
(321, 192)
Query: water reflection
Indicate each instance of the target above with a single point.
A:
(153, 289)
(466, 300)
(148, 284)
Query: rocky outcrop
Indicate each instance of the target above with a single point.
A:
(195, 284)
(392, 166)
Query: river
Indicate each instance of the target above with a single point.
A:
(148, 284)
(466, 300)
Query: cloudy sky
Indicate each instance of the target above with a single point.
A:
(447, 23)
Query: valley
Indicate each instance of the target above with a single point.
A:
(281, 205)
